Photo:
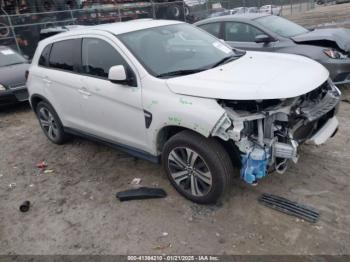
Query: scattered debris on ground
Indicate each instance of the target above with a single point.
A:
(12, 185)
(136, 181)
(24, 207)
(161, 247)
(141, 193)
(41, 165)
(288, 207)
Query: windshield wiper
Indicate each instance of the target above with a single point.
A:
(226, 60)
(180, 72)
(15, 64)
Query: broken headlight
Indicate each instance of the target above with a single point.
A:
(332, 53)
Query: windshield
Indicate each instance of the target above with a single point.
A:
(176, 48)
(281, 26)
(10, 57)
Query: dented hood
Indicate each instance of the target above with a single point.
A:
(340, 36)
(256, 75)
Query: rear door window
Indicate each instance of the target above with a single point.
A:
(240, 32)
(65, 55)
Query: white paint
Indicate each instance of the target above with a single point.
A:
(256, 75)
(116, 111)
(222, 47)
(117, 73)
(7, 52)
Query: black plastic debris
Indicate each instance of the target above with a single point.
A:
(25, 206)
(289, 207)
(141, 193)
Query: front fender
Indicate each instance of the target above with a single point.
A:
(193, 113)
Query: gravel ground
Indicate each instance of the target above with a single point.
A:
(324, 16)
(74, 209)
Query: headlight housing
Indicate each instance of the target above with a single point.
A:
(332, 53)
(2, 88)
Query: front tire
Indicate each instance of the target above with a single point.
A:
(199, 168)
(50, 123)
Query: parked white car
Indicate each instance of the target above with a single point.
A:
(239, 10)
(271, 9)
(169, 92)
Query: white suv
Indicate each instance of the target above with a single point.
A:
(169, 92)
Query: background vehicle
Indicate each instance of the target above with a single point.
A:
(342, 1)
(330, 47)
(271, 9)
(239, 10)
(13, 67)
(199, 111)
(115, 10)
(219, 13)
(253, 9)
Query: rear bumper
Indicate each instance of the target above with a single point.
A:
(13, 95)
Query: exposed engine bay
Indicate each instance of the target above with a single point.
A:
(269, 132)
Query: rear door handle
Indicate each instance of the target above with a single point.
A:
(84, 91)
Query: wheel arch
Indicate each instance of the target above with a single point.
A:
(166, 132)
(35, 99)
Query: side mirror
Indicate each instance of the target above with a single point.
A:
(117, 74)
(263, 39)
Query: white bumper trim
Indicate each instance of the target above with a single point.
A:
(325, 132)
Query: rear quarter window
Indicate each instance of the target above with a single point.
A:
(64, 55)
(44, 57)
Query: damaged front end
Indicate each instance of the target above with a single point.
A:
(269, 132)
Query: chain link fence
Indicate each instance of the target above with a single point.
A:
(23, 31)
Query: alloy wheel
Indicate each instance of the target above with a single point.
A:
(48, 123)
(189, 171)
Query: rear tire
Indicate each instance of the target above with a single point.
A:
(4, 30)
(199, 168)
(50, 123)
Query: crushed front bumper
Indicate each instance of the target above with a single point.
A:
(268, 139)
(325, 132)
(13, 95)
(339, 70)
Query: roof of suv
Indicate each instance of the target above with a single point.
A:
(133, 25)
(125, 27)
